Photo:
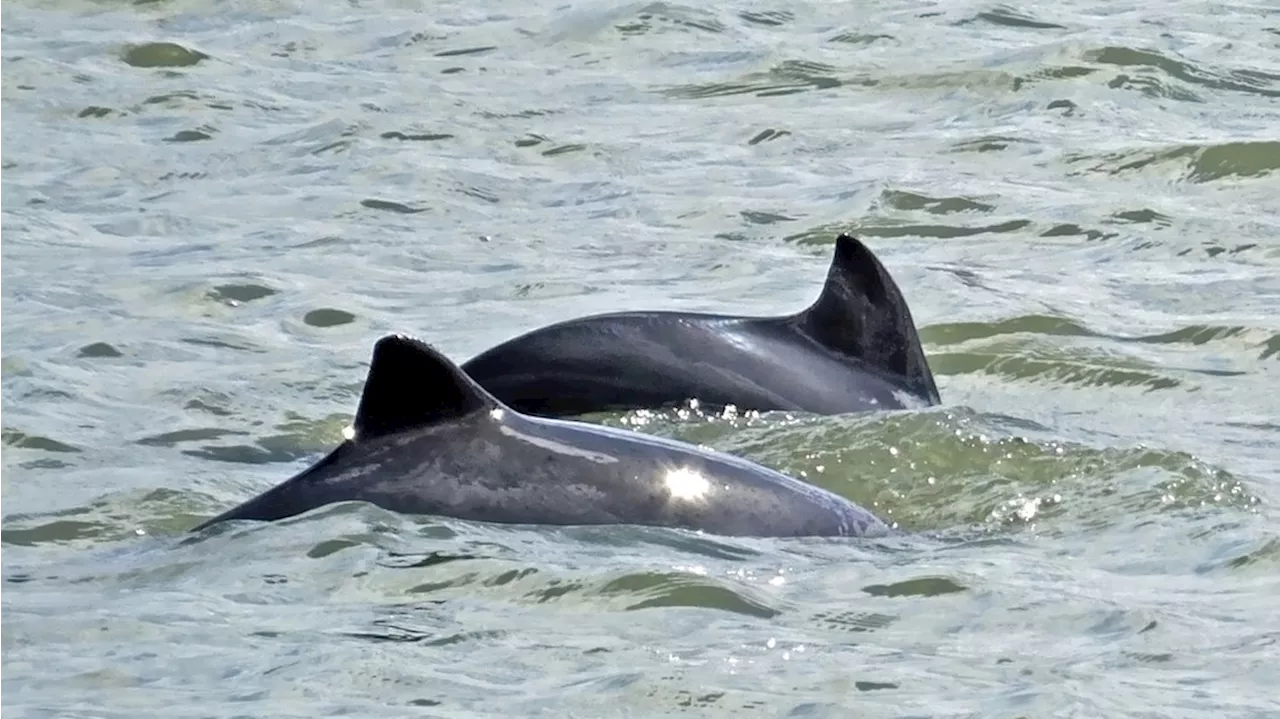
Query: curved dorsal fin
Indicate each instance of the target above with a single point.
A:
(862, 313)
(411, 384)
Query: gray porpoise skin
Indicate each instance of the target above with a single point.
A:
(855, 349)
(427, 439)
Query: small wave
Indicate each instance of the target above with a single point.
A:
(622, 591)
(853, 37)
(786, 78)
(116, 517)
(1023, 361)
(34, 451)
(767, 18)
(900, 227)
(991, 143)
(23, 440)
(294, 439)
(487, 561)
(1005, 16)
(1150, 73)
(797, 76)
(659, 18)
(955, 468)
(1247, 81)
(853, 621)
(1255, 555)
(1010, 348)
(955, 333)
(909, 201)
(646, 590)
(917, 587)
(1270, 348)
(1199, 163)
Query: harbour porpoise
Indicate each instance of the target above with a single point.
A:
(855, 349)
(427, 439)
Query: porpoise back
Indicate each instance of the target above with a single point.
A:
(855, 349)
(427, 439)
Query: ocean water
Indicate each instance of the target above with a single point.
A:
(212, 210)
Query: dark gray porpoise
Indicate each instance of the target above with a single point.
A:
(855, 349)
(429, 440)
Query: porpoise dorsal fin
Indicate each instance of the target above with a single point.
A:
(412, 384)
(862, 313)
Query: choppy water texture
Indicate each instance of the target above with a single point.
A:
(211, 210)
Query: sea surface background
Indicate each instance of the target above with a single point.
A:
(212, 209)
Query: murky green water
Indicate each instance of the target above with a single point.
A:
(211, 210)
